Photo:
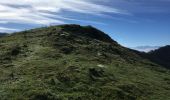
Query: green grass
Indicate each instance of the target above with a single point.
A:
(55, 64)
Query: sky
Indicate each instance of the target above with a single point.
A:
(132, 23)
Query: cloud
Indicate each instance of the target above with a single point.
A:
(45, 12)
(3, 22)
(145, 48)
(4, 29)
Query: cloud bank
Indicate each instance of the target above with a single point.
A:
(45, 12)
(49, 12)
(145, 48)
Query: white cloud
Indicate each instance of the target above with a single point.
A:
(3, 22)
(47, 12)
(145, 48)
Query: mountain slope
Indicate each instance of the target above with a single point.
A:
(76, 63)
(161, 56)
(3, 34)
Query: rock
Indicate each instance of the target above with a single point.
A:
(101, 66)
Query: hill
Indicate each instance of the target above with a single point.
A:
(73, 62)
(161, 56)
(3, 34)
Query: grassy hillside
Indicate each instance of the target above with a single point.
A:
(72, 62)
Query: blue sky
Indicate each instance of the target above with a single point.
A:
(130, 22)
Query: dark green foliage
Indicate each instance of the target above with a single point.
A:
(72, 62)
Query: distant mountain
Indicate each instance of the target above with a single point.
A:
(73, 62)
(145, 48)
(3, 34)
(161, 56)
